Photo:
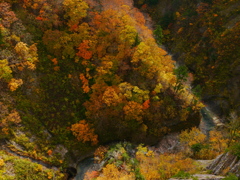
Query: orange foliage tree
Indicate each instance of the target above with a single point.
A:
(84, 50)
(7, 16)
(84, 133)
(85, 85)
(8, 120)
(133, 111)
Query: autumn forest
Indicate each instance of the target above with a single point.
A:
(110, 80)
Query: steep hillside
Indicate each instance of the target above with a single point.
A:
(75, 75)
(204, 35)
(82, 73)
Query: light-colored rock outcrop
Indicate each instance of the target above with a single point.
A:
(168, 144)
(202, 177)
(225, 162)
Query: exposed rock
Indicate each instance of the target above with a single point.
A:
(202, 177)
(61, 150)
(10, 169)
(225, 162)
(169, 143)
(87, 165)
(203, 164)
(207, 123)
(16, 145)
(71, 173)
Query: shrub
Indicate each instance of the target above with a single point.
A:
(182, 175)
(231, 177)
(235, 149)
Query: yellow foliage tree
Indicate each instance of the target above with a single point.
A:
(5, 70)
(128, 34)
(202, 147)
(110, 97)
(75, 11)
(28, 54)
(14, 84)
(193, 136)
(111, 172)
(163, 166)
(218, 144)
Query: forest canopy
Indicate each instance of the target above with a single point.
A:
(100, 68)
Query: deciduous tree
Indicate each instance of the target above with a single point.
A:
(75, 11)
(5, 70)
(84, 133)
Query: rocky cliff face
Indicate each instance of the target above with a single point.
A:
(202, 177)
(225, 163)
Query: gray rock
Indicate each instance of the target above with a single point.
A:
(225, 162)
(168, 144)
(202, 177)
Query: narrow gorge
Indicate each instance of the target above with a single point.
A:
(120, 89)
